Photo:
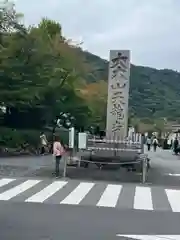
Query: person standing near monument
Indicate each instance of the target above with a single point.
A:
(44, 143)
(58, 152)
(155, 143)
(176, 144)
(148, 143)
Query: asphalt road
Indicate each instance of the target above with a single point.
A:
(39, 221)
(20, 221)
(165, 168)
(163, 163)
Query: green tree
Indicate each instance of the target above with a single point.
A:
(37, 77)
(9, 20)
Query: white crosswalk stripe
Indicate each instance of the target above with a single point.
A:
(82, 193)
(18, 189)
(143, 198)
(5, 181)
(110, 196)
(47, 192)
(174, 199)
(78, 194)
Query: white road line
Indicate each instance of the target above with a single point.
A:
(5, 181)
(18, 189)
(151, 237)
(143, 198)
(47, 192)
(174, 174)
(110, 196)
(174, 199)
(77, 195)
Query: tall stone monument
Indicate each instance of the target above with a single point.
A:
(118, 94)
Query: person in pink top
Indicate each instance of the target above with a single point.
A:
(58, 151)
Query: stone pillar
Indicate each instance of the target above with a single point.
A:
(118, 94)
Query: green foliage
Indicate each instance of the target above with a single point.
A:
(40, 74)
(14, 138)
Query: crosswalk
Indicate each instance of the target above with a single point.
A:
(98, 194)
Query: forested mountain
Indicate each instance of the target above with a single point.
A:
(153, 93)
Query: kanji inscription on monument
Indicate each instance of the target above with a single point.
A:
(118, 94)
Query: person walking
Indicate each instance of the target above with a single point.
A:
(58, 151)
(148, 143)
(44, 143)
(176, 144)
(155, 144)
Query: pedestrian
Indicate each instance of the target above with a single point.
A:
(169, 143)
(176, 144)
(148, 142)
(155, 143)
(58, 151)
(44, 143)
(165, 144)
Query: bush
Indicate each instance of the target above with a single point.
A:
(14, 138)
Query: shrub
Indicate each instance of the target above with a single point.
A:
(14, 138)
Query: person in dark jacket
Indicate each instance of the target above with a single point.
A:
(155, 143)
(176, 144)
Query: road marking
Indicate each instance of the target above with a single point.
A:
(174, 174)
(77, 195)
(151, 237)
(143, 198)
(5, 181)
(47, 192)
(110, 196)
(174, 199)
(18, 189)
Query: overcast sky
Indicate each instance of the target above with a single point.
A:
(149, 28)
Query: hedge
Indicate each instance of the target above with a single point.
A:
(14, 138)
